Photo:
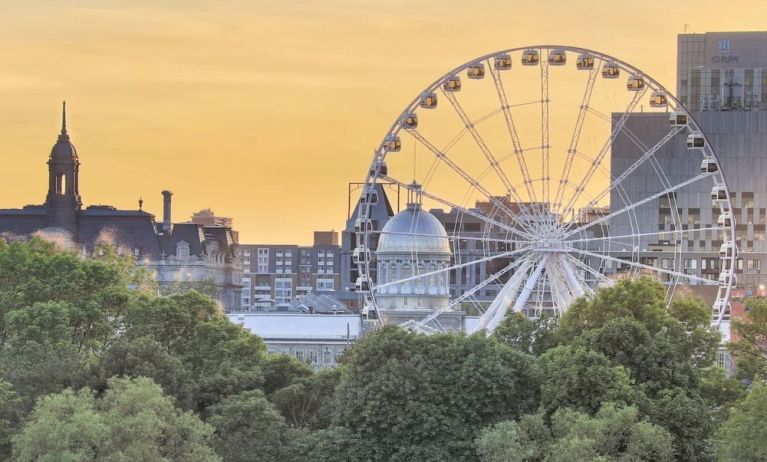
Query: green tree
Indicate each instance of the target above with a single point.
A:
(744, 435)
(222, 357)
(306, 402)
(533, 336)
(689, 418)
(576, 377)
(145, 357)
(417, 397)
(750, 349)
(133, 421)
(333, 444)
(281, 371)
(614, 434)
(643, 300)
(10, 418)
(58, 311)
(248, 428)
(93, 291)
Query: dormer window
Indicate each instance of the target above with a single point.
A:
(182, 250)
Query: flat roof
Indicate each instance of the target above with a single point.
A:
(284, 326)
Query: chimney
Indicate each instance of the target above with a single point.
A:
(166, 219)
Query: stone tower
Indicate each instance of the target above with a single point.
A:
(63, 200)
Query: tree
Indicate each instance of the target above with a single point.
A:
(248, 428)
(145, 357)
(133, 421)
(533, 336)
(306, 402)
(643, 300)
(93, 291)
(10, 417)
(744, 435)
(750, 350)
(615, 433)
(281, 371)
(222, 357)
(333, 444)
(689, 418)
(418, 397)
(572, 376)
(58, 311)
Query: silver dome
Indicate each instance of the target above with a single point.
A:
(413, 230)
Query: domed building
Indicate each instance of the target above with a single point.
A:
(414, 248)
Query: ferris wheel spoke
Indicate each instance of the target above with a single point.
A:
(591, 271)
(510, 189)
(604, 150)
(636, 204)
(468, 178)
(573, 148)
(544, 63)
(512, 129)
(615, 182)
(458, 208)
(653, 233)
(637, 265)
(452, 267)
(470, 293)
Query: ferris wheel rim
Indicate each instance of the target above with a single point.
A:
(692, 126)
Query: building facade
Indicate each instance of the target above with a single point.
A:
(315, 339)
(722, 71)
(180, 255)
(274, 276)
(722, 78)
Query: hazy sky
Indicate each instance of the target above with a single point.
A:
(265, 110)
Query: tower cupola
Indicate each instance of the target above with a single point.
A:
(63, 200)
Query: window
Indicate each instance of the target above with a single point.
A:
(263, 261)
(283, 290)
(747, 200)
(325, 284)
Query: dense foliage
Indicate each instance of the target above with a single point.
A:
(95, 365)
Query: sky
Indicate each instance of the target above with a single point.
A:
(264, 111)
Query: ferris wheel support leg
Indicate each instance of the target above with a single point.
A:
(559, 290)
(506, 296)
(570, 277)
(524, 296)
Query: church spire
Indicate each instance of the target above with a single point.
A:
(64, 135)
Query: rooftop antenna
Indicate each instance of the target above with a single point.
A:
(685, 28)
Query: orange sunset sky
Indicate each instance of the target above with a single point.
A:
(265, 110)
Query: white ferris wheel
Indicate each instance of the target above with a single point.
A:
(554, 171)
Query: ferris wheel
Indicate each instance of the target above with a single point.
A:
(536, 176)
